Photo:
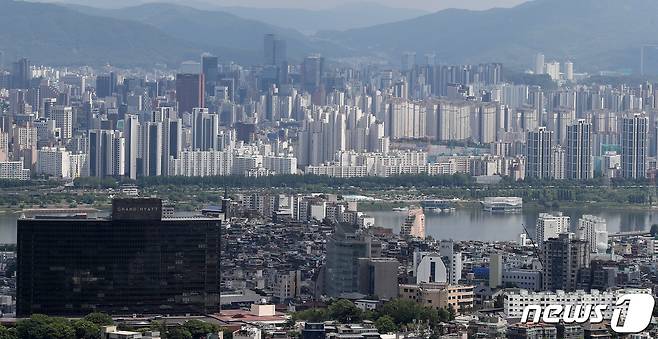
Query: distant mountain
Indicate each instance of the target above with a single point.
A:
(346, 16)
(595, 34)
(214, 28)
(52, 34)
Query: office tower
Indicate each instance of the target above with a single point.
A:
(594, 230)
(428, 267)
(131, 134)
(274, 50)
(452, 260)
(189, 92)
(579, 160)
(496, 270)
(539, 146)
(634, 146)
(379, 276)
(63, 116)
(106, 153)
(539, 63)
(312, 69)
(152, 151)
(564, 260)
(344, 248)
(210, 71)
(550, 226)
(205, 129)
(568, 70)
(135, 262)
(21, 74)
(408, 61)
(105, 85)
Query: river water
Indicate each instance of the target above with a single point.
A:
(469, 223)
(475, 224)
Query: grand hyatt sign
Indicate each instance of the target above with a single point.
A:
(137, 209)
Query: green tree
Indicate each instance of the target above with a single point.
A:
(344, 311)
(312, 315)
(199, 329)
(85, 329)
(179, 333)
(100, 319)
(60, 328)
(6, 333)
(386, 324)
(36, 327)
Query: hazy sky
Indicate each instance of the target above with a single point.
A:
(429, 5)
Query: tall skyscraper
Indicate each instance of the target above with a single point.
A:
(189, 92)
(634, 146)
(579, 160)
(205, 129)
(312, 72)
(568, 70)
(105, 85)
(134, 262)
(21, 74)
(539, 63)
(564, 259)
(210, 70)
(106, 153)
(63, 116)
(539, 146)
(274, 50)
(152, 152)
(408, 61)
(131, 134)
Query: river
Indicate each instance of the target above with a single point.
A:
(468, 223)
(473, 223)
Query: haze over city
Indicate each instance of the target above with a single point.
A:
(336, 169)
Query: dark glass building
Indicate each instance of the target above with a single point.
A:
(134, 262)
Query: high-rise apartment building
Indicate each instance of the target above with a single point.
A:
(550, 226)
(579, 160)
(594, 230)
(539, 147)
(634, 146)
